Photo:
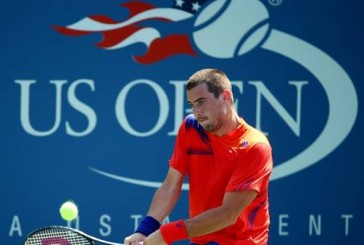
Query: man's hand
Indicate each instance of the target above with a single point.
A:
(134, 239)
(155, 239)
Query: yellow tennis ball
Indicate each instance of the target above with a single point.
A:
(68, 211)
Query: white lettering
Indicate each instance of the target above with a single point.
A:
(105, 229)
(179, 111)
(25, 104)
(74, 223)
(104, 219)
(239, 86)
(314, 224)
(136, 218)
(346, 218)
(282, 224)
(262, 91)
(15, 226)
(25, 86)
(81, 107)
(163, 108)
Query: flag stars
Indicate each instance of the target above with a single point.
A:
(191, 6)
(196, 6)
(179, 3)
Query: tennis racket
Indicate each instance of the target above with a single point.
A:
(60, 235)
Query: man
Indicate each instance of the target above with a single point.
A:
(228, 164)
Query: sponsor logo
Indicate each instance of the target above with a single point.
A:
(225, 29)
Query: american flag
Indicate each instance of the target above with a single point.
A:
(120, 34)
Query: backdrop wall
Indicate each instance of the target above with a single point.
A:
(92, 95)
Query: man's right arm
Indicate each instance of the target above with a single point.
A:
(166, 196)
(163, 201)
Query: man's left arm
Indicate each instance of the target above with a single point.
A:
(220, 217)
(213, 219)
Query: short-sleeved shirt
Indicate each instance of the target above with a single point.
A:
(240, 160)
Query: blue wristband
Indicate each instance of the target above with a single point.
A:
(148, 225)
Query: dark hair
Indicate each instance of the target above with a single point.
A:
(216, 81)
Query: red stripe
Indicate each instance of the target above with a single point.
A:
(103, 19)
(70, 32)
(137, 7)
(162, 48)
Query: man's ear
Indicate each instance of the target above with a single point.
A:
(226, 95)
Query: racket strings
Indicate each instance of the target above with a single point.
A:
(56, 236)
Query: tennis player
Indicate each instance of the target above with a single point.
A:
(228, 164)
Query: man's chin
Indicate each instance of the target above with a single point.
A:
(206, 126)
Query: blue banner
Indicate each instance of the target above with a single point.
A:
(92, 94)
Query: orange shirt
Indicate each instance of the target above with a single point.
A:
(240, 160)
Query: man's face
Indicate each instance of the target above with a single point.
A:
(207, 109)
